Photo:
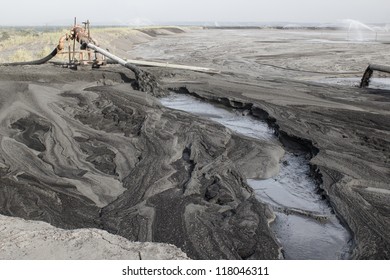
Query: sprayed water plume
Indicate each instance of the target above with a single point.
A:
(358, 31)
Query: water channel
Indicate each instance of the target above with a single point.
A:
(305, 224)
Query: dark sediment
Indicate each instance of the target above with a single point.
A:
(99, 154)
(347, 138)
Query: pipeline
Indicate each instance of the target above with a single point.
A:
(144, 80)
(34, 62)
(370, 71)
(43, 60)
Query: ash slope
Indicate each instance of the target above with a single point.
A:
(347, 132)
(89, 155)
(21, 239)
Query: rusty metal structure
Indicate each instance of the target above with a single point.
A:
(83, 36)
(82, 56)
(91, 54)
(365, 82)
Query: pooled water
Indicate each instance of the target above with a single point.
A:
(305, 224)
(245, 125)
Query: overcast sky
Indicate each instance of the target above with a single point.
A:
(52, 12)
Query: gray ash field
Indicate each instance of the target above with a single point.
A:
(83, 149)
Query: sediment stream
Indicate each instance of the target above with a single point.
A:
(305, 224)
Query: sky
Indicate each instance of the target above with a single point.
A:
(125, 12)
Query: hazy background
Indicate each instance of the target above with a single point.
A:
(125, 12)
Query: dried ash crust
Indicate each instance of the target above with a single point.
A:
(29, 240)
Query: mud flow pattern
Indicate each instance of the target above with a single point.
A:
(305, 224)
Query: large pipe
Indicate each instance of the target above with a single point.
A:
(173, 66)
(131, 63)
(370, 70)
(34, 62)
(114, 58)
(78, 33)
(144, 80)
(43, 60)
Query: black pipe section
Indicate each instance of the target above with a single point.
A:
(370, 70)
(144, 81)
(34, 62)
